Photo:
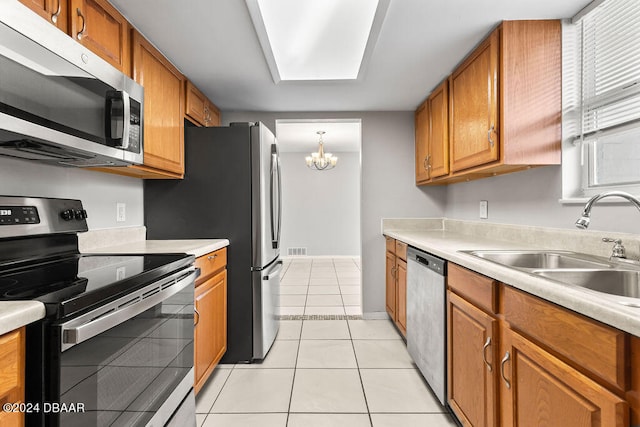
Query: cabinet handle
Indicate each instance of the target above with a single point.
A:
(210, 257)
(393, 272)
(197, 315)
(84, 24)
(54, 17)
(484, 354)
(491, 130)
(504, 360)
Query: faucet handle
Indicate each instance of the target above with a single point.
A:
(618, 248)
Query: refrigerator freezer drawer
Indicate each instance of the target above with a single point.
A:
(266, 292)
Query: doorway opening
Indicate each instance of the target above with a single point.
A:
(321, 225)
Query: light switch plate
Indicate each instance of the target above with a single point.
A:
(484, 209)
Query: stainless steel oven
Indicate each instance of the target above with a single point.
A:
(128, 362)
(116, 345)
(60, 103)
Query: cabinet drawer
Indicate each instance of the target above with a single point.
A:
(401, 250)
(391, 245)
(211, 263)
(474, 287)
(593, 347)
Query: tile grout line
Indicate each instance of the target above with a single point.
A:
(355, 355)
(295, 369)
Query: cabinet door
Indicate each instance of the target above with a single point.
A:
(391, 285)
(211, 326)
(102, 29)
(212, 114)
(401, 295)
(438, 140)
(538, 389)
(422, 138)
(195, 104)
(471, 349)
(54, 11)
(473, 110)
(12, 355)
(163, 107)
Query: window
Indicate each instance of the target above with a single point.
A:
(601, 119)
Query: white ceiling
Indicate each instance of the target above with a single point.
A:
(214, 43)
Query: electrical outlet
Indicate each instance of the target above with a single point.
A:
(484, 209)
(121, 212)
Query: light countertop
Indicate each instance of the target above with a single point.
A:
(448, 244)
(15, 314)
(197, 247)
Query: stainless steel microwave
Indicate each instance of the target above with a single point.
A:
(60, 103)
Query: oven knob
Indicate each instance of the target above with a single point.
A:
(67, 215)
(80, 214)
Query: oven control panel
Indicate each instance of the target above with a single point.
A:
(13, 215)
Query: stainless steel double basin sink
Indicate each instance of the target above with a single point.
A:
(616, 278)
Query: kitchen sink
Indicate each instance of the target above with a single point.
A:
(613, 278)
(540, 259)
(624, 283)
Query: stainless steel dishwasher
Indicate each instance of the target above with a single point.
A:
(426, 318)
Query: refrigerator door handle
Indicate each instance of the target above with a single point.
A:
(279, 201)
(274, 172)
(276, 269)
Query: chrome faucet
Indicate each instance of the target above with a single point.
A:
(584, 220)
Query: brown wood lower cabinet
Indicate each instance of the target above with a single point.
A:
(517, 360)
(472, 376)
(211, 316)
(12, 360)
(537, 389)
(396, 283)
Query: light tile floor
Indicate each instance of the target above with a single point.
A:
(324, 373)
(320, 286)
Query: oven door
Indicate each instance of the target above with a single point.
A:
(128, 363)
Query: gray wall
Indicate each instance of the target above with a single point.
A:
(532, 198)
(98, 191)
(388, 188)
(321, 210)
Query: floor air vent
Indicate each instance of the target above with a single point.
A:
(296, 251)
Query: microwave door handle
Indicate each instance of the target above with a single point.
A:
(126, 125)
(116, 137)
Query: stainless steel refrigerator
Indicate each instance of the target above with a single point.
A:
(231, 189)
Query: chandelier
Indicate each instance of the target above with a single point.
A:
(321, 160)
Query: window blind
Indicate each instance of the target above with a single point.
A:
(609, 38)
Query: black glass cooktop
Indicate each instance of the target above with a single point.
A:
(71, 284)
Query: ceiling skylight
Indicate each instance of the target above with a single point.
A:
(317, 39)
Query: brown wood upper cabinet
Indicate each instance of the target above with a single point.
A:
(94, 23)
(422, 142)
(199, 109)
(432, 136)
(504, 107)
(102, 29)
(163, 113)
(54, 11)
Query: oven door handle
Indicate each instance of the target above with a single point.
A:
(119, 311)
